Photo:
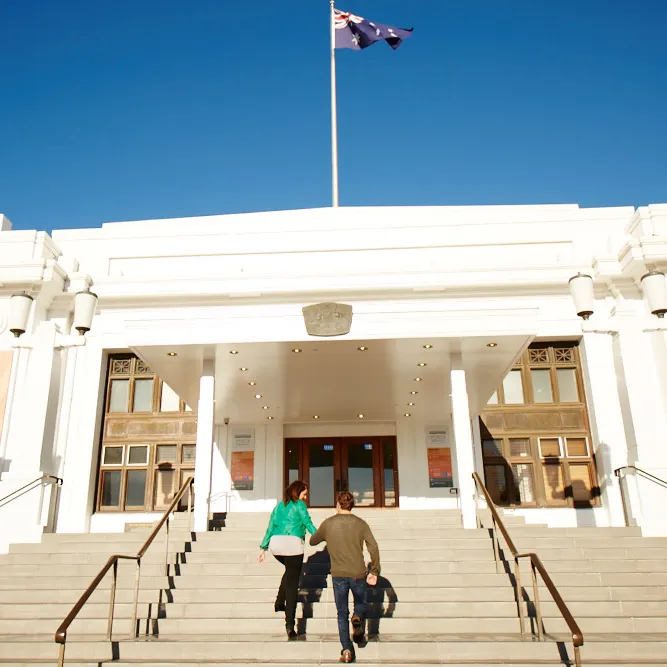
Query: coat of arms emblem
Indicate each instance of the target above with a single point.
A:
(328, 319)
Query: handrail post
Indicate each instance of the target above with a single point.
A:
(519, 594)
(577, 656)
(623, 490)
(536, 596)
(190, 509)
(496, 543)
(476, 495)
(166, 551)
(61, 655)
(135, 629)
(112, 600)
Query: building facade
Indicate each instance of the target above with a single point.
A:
(465, 354)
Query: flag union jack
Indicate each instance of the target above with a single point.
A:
(355, 32)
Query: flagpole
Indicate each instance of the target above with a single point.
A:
(334, 118)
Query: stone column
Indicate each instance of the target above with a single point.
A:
(205, 431)
(79, 430)
(463, 442)
(607, 425)
(27, 435)
(639, 371)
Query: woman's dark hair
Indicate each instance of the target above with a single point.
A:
(294, 490)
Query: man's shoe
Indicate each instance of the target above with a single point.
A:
(346, 656)
(357, 628)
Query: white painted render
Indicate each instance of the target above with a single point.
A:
(455, 276)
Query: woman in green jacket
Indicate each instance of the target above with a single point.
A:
(284, 539)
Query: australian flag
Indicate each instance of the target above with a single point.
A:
(355, 32)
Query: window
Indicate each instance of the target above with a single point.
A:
(535, 433)
(148, 434)
(541, 379)
(513, 387)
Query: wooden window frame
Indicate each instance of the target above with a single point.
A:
(135, 371)
(553, 362)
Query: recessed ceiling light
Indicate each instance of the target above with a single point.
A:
(269, 417)
(414, 393)
(243, 368)
(360, 416)
(407, 414)
(316, 416)
(252, 383)
(421, 364)
(297, 350)
(258, 396)
(428, 346)
(171, 354)
(233, 352)
(492, 344)
(418, 379)
(411, 403)
(362, 348)
(265, 407)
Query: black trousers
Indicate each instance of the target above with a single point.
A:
(289, 586)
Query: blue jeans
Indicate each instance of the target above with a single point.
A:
(342, 586)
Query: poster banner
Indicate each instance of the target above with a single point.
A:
(440, 467)
(243, 471)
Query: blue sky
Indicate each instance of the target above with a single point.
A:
(126, 110)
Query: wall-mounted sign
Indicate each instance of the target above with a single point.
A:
(436, 437)
(243, 440)
(440, 467)
(243, 470)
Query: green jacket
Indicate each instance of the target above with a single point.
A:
(291, 519)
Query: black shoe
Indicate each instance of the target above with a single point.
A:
(279, 606)
(357, 626)
(291, 635)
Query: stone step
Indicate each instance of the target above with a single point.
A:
(70, 596)
(273, 649)
(107, 548)
(188, 581)
(333, 659)
(76, 583)
(188, 627)
(244, 569)
(322, 609)
(651, 612)
(553, 564)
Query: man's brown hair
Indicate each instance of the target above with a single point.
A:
(346, 500)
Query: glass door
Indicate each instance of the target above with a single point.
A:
(321, 463)
(364, 466)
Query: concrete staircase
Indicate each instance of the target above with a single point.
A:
(440, 600)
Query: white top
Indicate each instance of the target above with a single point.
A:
(286, 545)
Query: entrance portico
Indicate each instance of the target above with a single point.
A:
(369, 391)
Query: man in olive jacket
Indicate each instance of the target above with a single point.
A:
(345, 535)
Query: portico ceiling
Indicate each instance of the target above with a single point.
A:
(337, 380)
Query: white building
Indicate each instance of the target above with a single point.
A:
(207, 312)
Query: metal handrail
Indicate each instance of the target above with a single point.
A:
(643, 473)
(535, 566)
(52, 480)
(61, 632)
(619, 472)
